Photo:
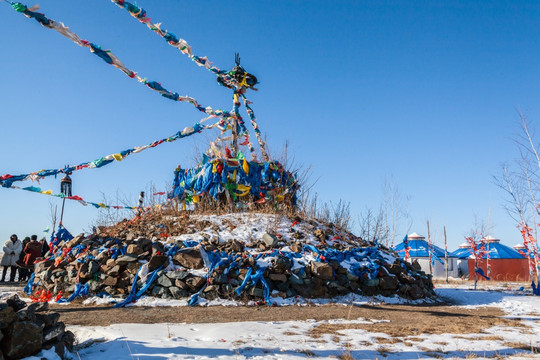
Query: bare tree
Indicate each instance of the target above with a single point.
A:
(521, 182)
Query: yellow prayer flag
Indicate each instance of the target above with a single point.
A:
(245, 166)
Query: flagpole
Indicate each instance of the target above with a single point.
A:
(429, 249)
(445, 253)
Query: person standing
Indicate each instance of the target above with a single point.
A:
(32, 251)
(12, 250)
(44, 247)
(23, 272)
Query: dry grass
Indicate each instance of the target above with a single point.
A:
(383, 340)
(522, 346)
(427, 321)
(443, 343)
(290, 333)
(480, 338)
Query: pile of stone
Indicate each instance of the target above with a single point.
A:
(297, 258)
(26, 330)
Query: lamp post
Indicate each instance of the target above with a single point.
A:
(65, 188)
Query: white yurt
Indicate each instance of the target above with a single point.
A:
(420, 250)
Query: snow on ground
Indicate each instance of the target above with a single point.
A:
(350, 299)
(294, 339)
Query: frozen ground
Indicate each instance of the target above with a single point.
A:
(300, 339)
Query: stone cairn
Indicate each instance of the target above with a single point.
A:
(108, 260)
(26, 330)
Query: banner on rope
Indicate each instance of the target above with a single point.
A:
(110, 58)
(181, 44)
(7, 180)
(77, 198)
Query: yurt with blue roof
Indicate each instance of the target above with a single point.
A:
(462, 255)
(500, 262)
(419, 249)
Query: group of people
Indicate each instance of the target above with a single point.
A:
(21, 255)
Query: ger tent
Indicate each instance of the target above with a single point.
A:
(500, 262)
(520, 248)
(462, 255)
(418, 250)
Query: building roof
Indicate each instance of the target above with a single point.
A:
(495, 248)
(462, 252)
(415, 236)
(490, 238)
(418, 247)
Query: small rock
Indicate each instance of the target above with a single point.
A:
(125, 259)
(177, 274)
(178, 293)
(53, 332)
(322, 270)
(278, 277)
(133, 250)
(164, 281)
(157, 261)
(190, 259)
(269, 240)
(195, 283)
(21, 339)
(7, 316)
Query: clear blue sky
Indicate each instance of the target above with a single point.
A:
(424, 91)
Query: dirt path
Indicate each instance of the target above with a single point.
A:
(397, 318)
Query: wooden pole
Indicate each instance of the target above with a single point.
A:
(62, 213)
(429, 249)
(235, 137)
(445, 253)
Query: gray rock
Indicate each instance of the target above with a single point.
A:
(371, 282)
(159, 291)
(178, 293)
(125, 259)
(157, 261)
(195, 283)
(134, 250)
(190, 259)
(7, 316)
(47, 320)
(388, 283)
(180, 284)
(282, 264)
(110, 281)
(269, 240)
(278, 277)
(295, 279)
(114, 271)
(15, 302)
(219, 278)
(211, 288)
(53, 332)
(322, 270)
(21, 339)
(177, 275)
(69, 340)
(164, 281)
(255, 291)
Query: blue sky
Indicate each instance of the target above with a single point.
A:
(424, 92)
